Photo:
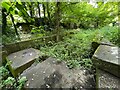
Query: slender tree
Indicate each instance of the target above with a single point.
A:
(48, 13)
(4, 21)
(12, 18)
(57, 21)
(44, 13)
(43, 9)
(39, 9)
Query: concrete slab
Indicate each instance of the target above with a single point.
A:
(107, 80)
(53, 74)
(107, 58)
(21, 60)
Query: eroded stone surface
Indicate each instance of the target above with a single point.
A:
(21, 60)
(106, 42)
(53, 74)
(107, 80)
(107, 58)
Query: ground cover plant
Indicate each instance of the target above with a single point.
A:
(79, 24)
(75, 49)
(7, 81)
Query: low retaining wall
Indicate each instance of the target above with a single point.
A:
(34, 43)
(7, 49)
(14, 47)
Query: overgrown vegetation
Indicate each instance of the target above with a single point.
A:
(7, 81)
(76, 48)
(37, 17)
(86, 22)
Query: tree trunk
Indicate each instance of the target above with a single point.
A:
(14, 24)
(4, 21)
(44, 10)
(57, 21)
(49, 18)
(39, 10)
(31, 14)
(44, 14)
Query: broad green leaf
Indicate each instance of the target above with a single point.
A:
(19, 6)
(19, 1)
(11, 10)
(6, 6)
(5, 0)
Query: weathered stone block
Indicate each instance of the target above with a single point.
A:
(53, 74)
(21, 60)
(106, 42)
(107, 58)
(95, 45)
(107, 80)
(11, 48)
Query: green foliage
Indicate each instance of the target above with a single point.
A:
(77, 14)
(17, 8)
(3, 74)
(76, 49)
(9, 39)
(21, 83)
(39, 29)
(112, 34)
(73, 64)
(86, 15)
(3, 71)
(6, 6)
(7, 81)
(86, 63)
